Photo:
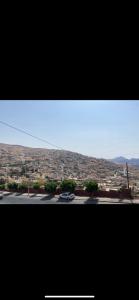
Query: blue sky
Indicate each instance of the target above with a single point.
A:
(100, 128)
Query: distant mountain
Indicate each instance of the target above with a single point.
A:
(119, 160)
(134, 161)
(123, 160)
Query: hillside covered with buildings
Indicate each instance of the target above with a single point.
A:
(19, 163)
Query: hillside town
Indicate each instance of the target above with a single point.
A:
(23, 164)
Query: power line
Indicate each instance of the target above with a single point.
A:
(25, 132)
(43, 140)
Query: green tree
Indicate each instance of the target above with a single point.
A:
(2, 181)
(2, 187)
(91, 186)
(50, 187)
(12, 186)
(36, 186)
(22, 186)
(68, 185)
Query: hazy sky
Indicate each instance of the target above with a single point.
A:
(103, 129)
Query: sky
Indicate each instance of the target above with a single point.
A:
(97, 128)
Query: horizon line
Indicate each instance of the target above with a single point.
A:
(121, 155)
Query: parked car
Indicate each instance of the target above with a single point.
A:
(67, 196)
(1, 196)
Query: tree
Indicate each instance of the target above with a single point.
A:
(123, 187)
(91, 186)
(12, 186)
(68, 185)
(22, 186)
(50, 187)
(2, 187)
(36, 186)
(41, 181)
(2, 181)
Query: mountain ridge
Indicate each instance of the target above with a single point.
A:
(122, 160)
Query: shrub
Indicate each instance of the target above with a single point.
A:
(50, 187)
(2, 186)
(22, 186)
(122, 188)
(12, 186)
(36, 186)
(2, 181)
(68, 185)
(91, 186)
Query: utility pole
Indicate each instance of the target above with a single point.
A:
(28, 181)
(23, 161)
(28, 189)
(127, 175)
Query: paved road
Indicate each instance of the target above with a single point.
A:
(13, 198)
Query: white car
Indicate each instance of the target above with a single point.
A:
(67, 196)
(1, 196)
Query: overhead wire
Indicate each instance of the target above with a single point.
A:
(44, 140)
(27, 133)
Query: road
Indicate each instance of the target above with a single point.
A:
(14, 198)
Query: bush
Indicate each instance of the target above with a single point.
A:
(50, 187)
(2, 186)
(68, 185)
(22, 186)
(122, 188)
(36, 186)
(2, 181)
(91, 186)
(12, 186)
